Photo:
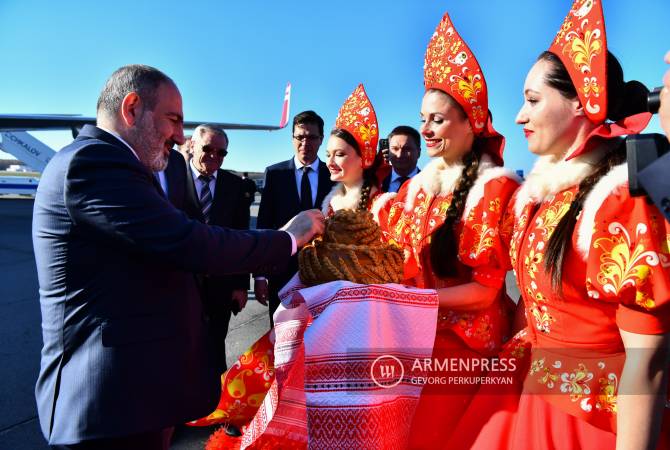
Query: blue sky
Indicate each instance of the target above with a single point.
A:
(232, 59)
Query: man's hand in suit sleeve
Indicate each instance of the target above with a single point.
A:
(261, 290)
(305, 225)
(239, 299)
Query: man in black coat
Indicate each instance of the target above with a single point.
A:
(291, 186)
(216, 197)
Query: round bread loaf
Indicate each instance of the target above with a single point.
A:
(350, 249)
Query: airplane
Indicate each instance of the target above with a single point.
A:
(36, 154)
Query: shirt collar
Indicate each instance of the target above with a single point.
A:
(116, 135)
(197, 173)
(314, 165)
(395, 176)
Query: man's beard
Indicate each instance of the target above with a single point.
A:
(149, 144)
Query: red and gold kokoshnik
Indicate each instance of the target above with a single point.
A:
(581, 45)
(451, 67)
(358, 117)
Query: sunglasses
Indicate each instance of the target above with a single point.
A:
(220, 152)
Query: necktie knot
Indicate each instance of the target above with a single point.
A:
(205, 178)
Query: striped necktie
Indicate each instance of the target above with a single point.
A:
(205, 197)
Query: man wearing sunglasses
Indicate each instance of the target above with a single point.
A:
(291, 186)
(216, 197)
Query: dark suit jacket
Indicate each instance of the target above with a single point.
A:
(281, 201)
(654, 178)
(175, 174)
(124, 349)
(230, 209)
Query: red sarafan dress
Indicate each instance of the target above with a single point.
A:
(409, 220)
(615, 277)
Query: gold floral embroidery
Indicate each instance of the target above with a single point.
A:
(607, 394)
(468, 86)
(591, 86)
(494, 205)
(624, 263)
(548, 378)
(486, 239)
(532, 262)
(577, 382)
(542, 317)
(550, 218)
(582, 51)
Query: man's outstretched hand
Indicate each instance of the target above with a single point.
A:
(305, 225)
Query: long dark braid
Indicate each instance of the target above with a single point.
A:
(624, 99)
(444, 241)
(562, 234)
(366, 190)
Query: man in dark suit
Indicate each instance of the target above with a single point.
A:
(404, 151)
(216, 197)
(291, 186)
(125, 356)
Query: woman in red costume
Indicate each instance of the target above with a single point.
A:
(447, 219)
(592, 263)
(281, 421)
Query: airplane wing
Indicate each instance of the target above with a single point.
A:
(25, 122)
(26, 148)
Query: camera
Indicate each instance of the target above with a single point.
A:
(384, 149)
(644, 149)
(654, 100)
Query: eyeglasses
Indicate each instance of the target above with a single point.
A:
(308, 137)
(220, 152)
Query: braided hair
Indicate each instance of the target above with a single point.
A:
(369, 175)
(624, 99)
(443, 241)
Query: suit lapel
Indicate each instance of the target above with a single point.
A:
(293, 197)
(192, 197)
(324, 186)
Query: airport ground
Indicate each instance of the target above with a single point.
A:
(21, 339)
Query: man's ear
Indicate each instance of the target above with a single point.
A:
(131, 109)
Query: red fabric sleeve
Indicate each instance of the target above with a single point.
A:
(629, 262)
(482, 244)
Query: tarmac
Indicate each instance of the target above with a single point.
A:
(21, 339)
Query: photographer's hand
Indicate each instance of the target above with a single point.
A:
(664, 110)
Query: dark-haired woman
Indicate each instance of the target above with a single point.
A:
(327, 336)
(447, 219)
(592, 263)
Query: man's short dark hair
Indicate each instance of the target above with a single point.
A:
(406, 130)
(144, 80)
(308, 117)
